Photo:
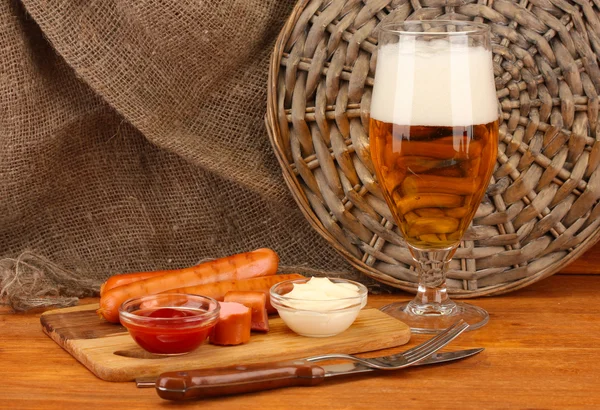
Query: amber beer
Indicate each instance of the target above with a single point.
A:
(433, 177)
(434, 156)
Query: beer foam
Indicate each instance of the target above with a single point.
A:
(434, 83)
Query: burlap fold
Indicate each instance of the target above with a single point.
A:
(133, 138)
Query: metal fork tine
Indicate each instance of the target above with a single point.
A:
(441, 339)
(407, 358)
(426, 344)
(425, 350)
(437, 343)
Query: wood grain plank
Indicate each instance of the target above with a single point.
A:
(78, 324)
(110, 353)
(587, 264)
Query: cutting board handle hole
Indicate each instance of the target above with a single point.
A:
(138, 354)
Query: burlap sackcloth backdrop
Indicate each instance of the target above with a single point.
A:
(132, 138)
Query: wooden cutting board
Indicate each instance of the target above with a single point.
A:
(109, 352)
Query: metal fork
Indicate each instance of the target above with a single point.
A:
(404, 359)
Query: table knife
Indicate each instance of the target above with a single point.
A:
(194, 384)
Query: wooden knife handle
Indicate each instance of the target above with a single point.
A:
(222, 381)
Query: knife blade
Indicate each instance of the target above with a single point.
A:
(194, 384)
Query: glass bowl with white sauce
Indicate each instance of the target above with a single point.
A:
(318, 307)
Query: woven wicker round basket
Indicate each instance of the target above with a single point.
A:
(541, 209)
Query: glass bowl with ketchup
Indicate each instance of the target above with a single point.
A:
(169, 323)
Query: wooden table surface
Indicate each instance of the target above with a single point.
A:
(588, 263)
(542, 349)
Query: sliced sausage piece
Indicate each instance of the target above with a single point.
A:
(233, 327)
(257, 302)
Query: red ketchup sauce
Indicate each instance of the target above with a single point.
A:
(166, 337)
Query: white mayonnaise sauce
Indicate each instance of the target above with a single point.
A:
(320, 307)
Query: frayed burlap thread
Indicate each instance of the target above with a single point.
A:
(32, 281)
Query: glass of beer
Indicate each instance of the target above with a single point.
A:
(434, 138)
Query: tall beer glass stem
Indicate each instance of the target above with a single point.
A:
(432, 296)
(432, 310)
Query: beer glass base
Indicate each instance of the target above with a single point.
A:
(432, 319)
